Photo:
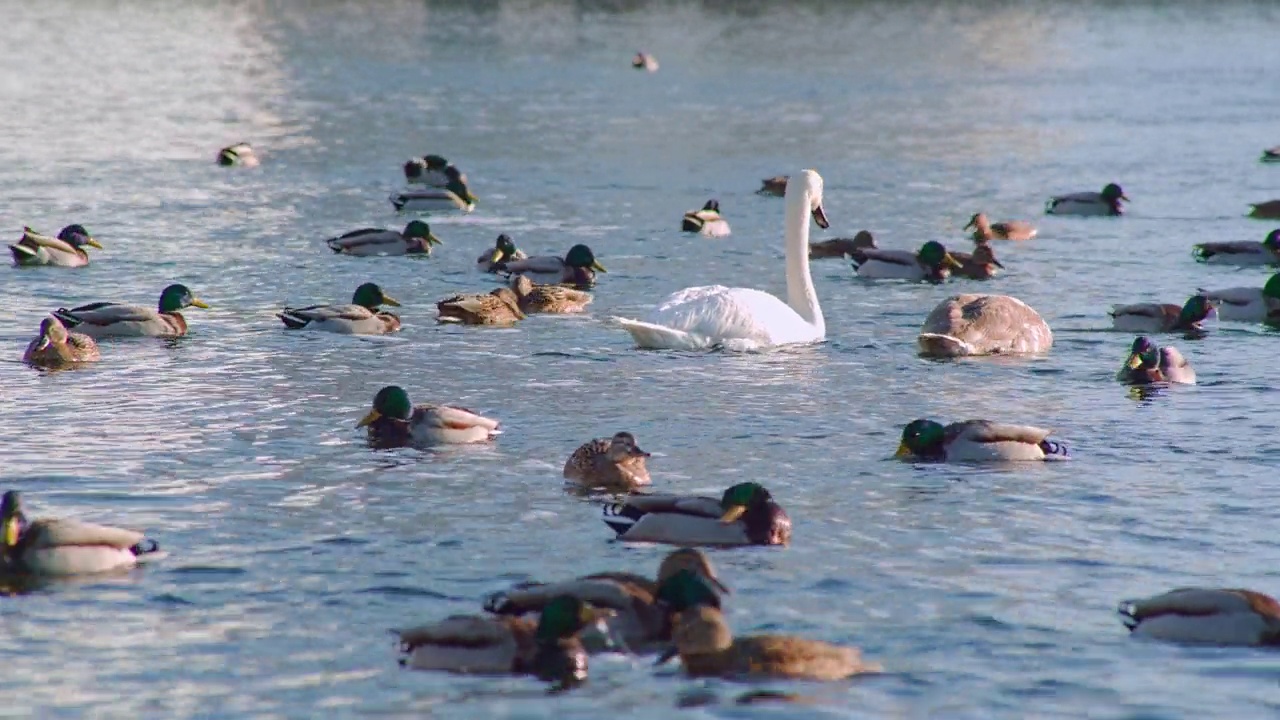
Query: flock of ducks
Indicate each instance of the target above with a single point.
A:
(548, 630)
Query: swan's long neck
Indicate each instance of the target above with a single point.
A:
(800, 293)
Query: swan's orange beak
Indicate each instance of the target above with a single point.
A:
(820, 217)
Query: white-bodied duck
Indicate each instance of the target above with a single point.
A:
(1106, 202)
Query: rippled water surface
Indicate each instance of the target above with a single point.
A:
(985, 592)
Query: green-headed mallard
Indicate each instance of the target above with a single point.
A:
(980, 264)
(549, 298)
(241, 154)
(66, 547)
(416, 239)
(1205, 616)
(984, 229)
(644, 61)
(1149, 363)
(706, 222)
(1163, 317)
(932, 262)
(1269, 210)
(498, 307)
(707, 647)
(639, 621)
(776, 185)
(109, 319)
(426, 170)
(615, 463)
(360, 317)
(394, 421)
(977, 441)
(1106, 202)
(455, 195)
(504, 251)
(1241, 252)
(983, 325)
(1246, 304)
(548, 649)
(1271, 154)
(549, 270)
(66, 250)
(55, 347)
(842, 247)
(745, 514)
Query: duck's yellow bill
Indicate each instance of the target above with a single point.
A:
(495, 256)
(433, 240)
(952, 262)
(1135, 361)
(197, 302)
(369, 419)
(93, 243)
(903, 451)
(388, 300)
(598, 267)
(733, 513)
(11, 532)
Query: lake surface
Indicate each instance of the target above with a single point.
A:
(986, 592)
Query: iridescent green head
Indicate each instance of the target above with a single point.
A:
(921, 437)
(580, 256)
(1143, 354)
(1112, 193)
(417, 229)
(391, 401)
(686, 589)
(12, 520)
(741, 497)
(565, 616)
(1272, 242)
(369, 295)
(176, 297)
(933, 254)
(1272, 288)
(1196, 308)
(506, 246)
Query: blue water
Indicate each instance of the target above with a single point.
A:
(986, 592)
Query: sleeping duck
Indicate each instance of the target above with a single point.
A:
(504, 251)
(1149, 363)
(455, 195)
(416, 239)
(841, 247)
(57, 348)
(550, 270)
(983, 325)
(706, 222)
(109, 319)
(66, 547)
(932, 263)
(241, 155)
(66, 250)
(426, 170)
(1163, 317)
(980, 264)
(1240, 252)
(1246, 304)
(745, 514)
(498, 307)
(977, 441)
(1208, 616)
(360, 317)
(984, 229)
(616, 463)
(394, 421)
(1106, 202)
(551, 299)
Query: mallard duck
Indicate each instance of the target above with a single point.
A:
(639, 621)
(932, 263)
(426, 170)
(1210, 616)
(644, 61)
(1243, 252)
(1163, 317)
(416, 239)
(981, 264)
(455, 195)
(977, 441)
(1271, 154)
(841, 247)
(1269, 210)
(776, 185)
(108, 319)
(240, 154)
(1149, 363)
(1106, 202)
(983, 325)
(549, 649)
(66, 250)
(1246, 304)
(745, 514)
(550, 270)
(504, 251)
(616, 462)
(67, 547)
(984, 229)
(55, 347)
(706, 222)
(549, 298)
(498, 307)
(707, 647)
(394, 421)
(361, 317)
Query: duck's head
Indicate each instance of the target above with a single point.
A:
(1272, 288)
(921, 437)
(1112, 193)
(1195, 309)
(690, 560)
(12, 521)
(737, 500)
(177, 297)
(562, 618)
(504, 248)
(419, 230)
(977, 221)
(934, 255)
(984, 255)
(392, 402)
(369, 295)
(1144, 354)
(435, 162)
(712, 205)
(1272, 242)
(580, 256)
(52, 332)
(458, 184)
(623, 447)
(686, 588)
(241, 152)
(864, 240)
(79, 237)
(565, 616)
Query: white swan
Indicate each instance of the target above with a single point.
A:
(698, 318)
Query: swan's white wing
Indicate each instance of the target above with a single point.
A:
(719, 314)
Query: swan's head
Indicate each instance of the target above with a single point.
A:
(808, 186)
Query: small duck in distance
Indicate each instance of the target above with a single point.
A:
(644, 61)
(980, 264)
(427, 170)
(416, 239)
(65, 250)
(1205, 616)
(776, 186)
(1271, 154)
(706, 222)
(359, 317)
(615, 463)
(1240, 252)
(241, 155)
(841, 247)
(932, 263)
(454, 195)
(1106, 202)
(1163, 317)
(1149, 363)
(1269, 210)
(504, 251)
(549, 270)
(984, 229)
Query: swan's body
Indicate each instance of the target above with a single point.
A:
(698, 318)
(1247, 304)
(983, 325)
(1205, 616)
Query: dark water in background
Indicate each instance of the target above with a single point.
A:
(986, 592)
